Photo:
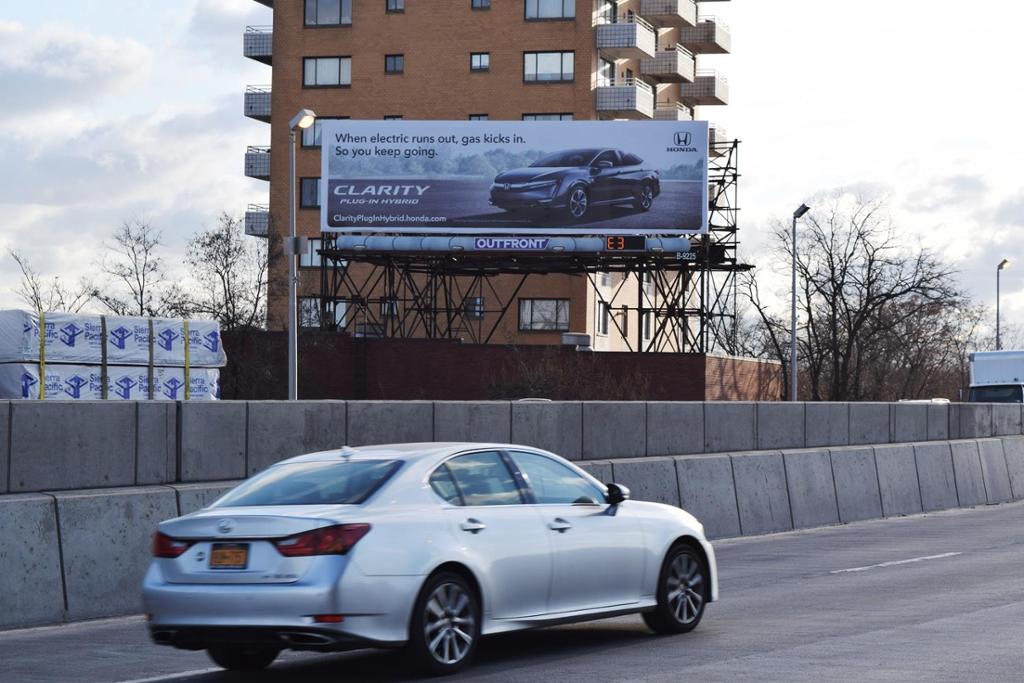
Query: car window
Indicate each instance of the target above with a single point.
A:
(553, 483)
(608, 155)
(631, 160)
(443, 484)
(484, 479)
(313, 483)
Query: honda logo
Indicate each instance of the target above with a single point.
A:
(684, 139)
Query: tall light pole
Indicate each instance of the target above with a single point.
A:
(303, 120)
(797, 215)
(1005, 263)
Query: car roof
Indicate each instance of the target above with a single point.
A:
(404, 451)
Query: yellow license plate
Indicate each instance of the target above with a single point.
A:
(229, 556)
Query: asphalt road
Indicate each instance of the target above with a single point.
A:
(928, 598)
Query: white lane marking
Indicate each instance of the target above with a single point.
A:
(893, 564)
(171, 677)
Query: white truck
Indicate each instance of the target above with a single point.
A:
(997, 377)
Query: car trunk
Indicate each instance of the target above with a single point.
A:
(235, 545)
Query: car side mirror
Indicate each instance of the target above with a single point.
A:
(600, 166)
(617, 493)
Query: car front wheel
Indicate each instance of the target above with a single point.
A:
(579, 202)
(445, 625)
(683, 589)
(241, 658)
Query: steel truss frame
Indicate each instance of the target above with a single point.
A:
(685, 306)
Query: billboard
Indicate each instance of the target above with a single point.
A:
(515, 177)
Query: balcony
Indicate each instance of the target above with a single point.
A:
(718, 140)
(708, 88)
(625, 98)
(626, 37)
(258, 43)
(670, 13)
(257, 220)
(672, 111)
(709, 37)
(257, 102)
(257, 162)
(673, 65)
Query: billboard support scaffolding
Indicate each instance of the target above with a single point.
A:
(434, 295)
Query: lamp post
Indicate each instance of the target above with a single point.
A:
(303, 120)
(797, 215)
(1005, 263)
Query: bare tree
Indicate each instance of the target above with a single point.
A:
(231, 272)
(138, 282)
(881, 319)
(53, 295)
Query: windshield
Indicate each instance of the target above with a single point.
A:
(571, 157)
(1004, 393)
(313, 483)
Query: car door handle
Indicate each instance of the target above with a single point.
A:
(559, 525)
(473, 526)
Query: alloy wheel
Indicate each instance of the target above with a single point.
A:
(685, 589)
(578, 203)
(646, 197)
(449, 624)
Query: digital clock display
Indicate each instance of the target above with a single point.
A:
(625, 243)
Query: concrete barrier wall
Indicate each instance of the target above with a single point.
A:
(46, 446)
(70, 555)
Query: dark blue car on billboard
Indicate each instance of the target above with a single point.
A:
(575, 181)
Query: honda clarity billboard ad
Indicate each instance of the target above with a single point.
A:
(514, 177)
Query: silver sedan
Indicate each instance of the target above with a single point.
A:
(427, 547)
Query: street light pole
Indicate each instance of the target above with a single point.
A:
(999, 271)
(797, 215)
(304, 119)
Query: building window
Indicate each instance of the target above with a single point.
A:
(393, 117)
(328, 12)
(603, 317)
(388, 308)
(647, 326)
(547, 117)
(550, 9)
(309, 258)
(480, 4)
(309, 311)
(474, 308)
(606, 280)
(478, 117)
(394, 64)
(548, 67)
(395, 5)
(312, 136)
(480, 61)
(544, 314)
(327, 72)
(625, 322)
(309, 193)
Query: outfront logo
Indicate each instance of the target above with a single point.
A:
(119, 335)
(172, 387)
(684, 139)
(123, 387)
(166, 339)
(75, 384)
(27, 382)
(70, 333)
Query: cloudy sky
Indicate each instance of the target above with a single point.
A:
(133, 108)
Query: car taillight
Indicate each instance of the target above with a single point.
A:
(165, 546)
(329, 540)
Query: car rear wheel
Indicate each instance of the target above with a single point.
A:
(242, 658)
(579, 202)
(645, 198)
(683, 589)
(445, 624)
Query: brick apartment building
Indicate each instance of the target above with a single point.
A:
(472, 59)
